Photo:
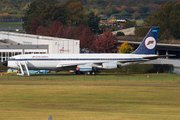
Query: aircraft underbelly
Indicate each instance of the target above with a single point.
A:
(42, 65)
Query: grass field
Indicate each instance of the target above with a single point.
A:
(100, 97)
(11, 24)
(139, 21)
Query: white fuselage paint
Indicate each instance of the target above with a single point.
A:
(58, 61)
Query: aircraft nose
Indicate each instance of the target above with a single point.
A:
(5, 63)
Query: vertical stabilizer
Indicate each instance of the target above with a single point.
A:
(148, 46)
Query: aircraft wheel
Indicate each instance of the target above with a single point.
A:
(93, 73)
(88, 73)
(78, 72)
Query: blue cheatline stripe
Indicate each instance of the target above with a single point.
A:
(77, 59)
(85, 68)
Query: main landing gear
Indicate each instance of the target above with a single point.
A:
(87, 73)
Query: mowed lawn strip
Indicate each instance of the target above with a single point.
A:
(89, 99)
(11, 24)
(59, 78)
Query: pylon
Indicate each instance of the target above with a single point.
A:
(1, 74)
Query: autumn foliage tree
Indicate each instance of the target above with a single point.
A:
(54, 28)
(70, 32)
(78, 31)
(76, 12)
(34, 26)
(86, 38)
(125, 48)
(42, 31)
(61, 33)
(104, 43)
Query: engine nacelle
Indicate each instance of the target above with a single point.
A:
(84, 68)
(109, 65)
(119, 65)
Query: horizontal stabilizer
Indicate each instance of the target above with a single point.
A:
(133, 61)
(158, 56)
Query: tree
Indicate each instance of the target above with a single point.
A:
(54, 28)
(141, 31)
(54, 12)
(175, 21)
(105, 43)
(129, 24)
(125, 48)
(78, 31)
(61, 33)
(166, 35)
(86, 38)
(70, 32)
(93, 21)
(45, 11)
(167, 17)
(136, 15)
(34, 26)
(42, 31)
(34, 10)
(77, 13)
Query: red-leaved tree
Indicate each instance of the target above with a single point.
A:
(86, 38)
(34, 26)
(78, 31)
(104, 43)
(60, 31)
(42, 31)
(70, 32)
(54, 28)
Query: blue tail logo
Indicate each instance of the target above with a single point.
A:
(148, 45)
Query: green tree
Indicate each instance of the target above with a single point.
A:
(129, 24)
(141, 31)
(175, 21)
(167, 17)
(76, 13)
(136, 15)
(35, 10)
(93, 21)
(166, 35)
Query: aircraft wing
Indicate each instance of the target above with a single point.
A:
(80, 63)
(144, 59)
(70, 64)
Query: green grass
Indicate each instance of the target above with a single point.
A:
(99, 77)
(139, 21)
(69, 97)
(11, 24)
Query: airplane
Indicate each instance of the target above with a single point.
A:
(87, 63)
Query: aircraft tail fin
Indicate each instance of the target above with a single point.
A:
(148, 45)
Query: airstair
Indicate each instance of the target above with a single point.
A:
(23, 69)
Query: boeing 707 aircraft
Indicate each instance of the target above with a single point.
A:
(86, 63)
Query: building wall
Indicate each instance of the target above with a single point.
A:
(6, 51)
(56, 45)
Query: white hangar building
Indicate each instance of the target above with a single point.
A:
(16, 43)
